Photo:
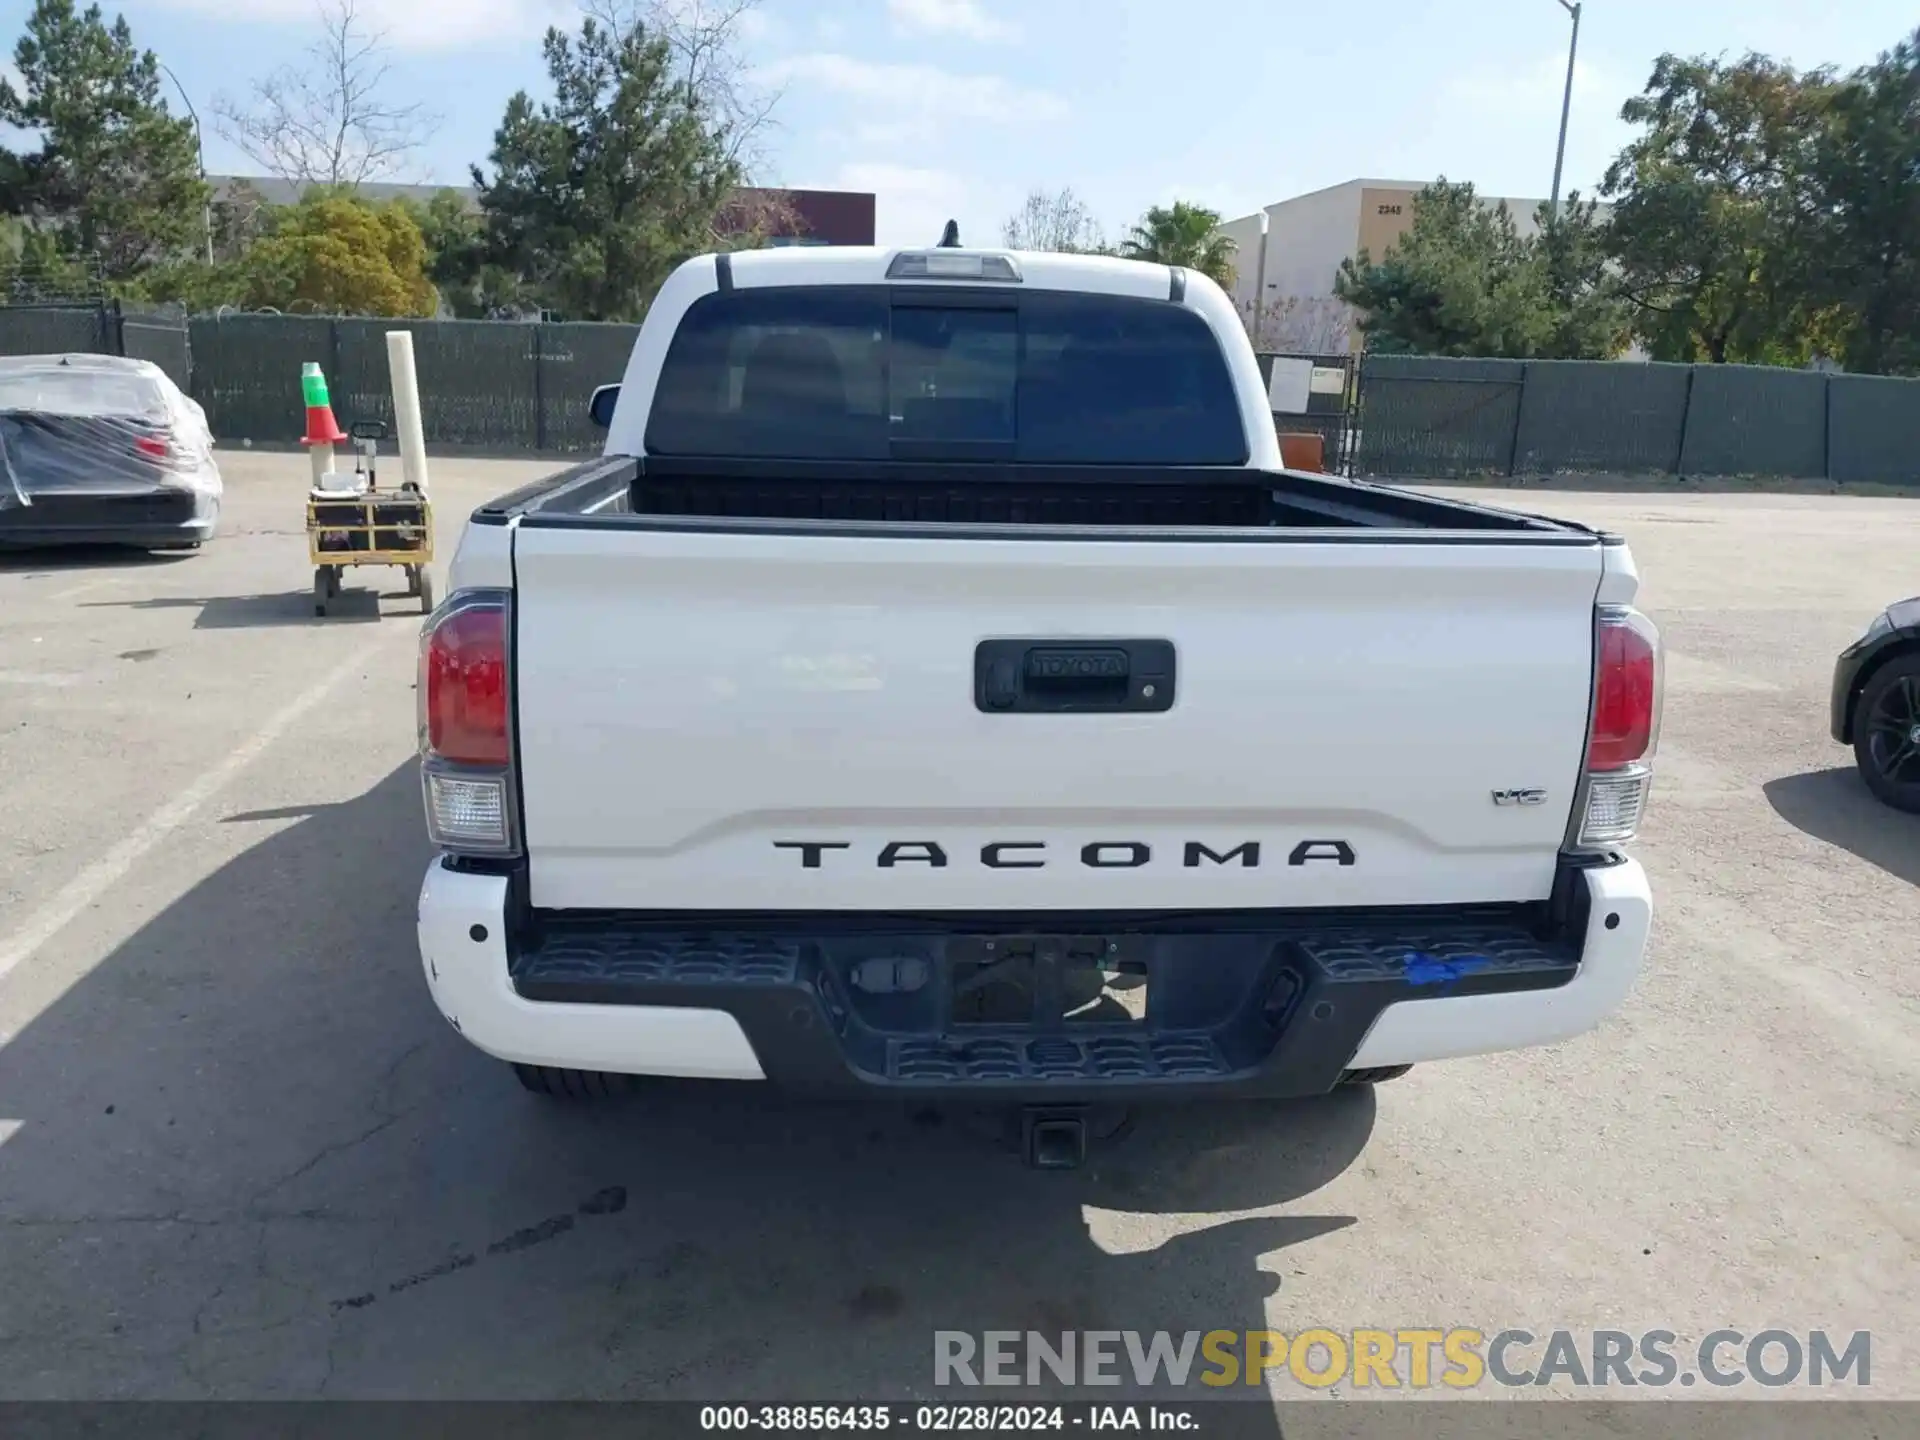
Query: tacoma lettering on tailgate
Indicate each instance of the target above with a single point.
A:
(1096, 855)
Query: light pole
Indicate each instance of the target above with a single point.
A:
(1260, 282)
(200, 142)
(1566, 108)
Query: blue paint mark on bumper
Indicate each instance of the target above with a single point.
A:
(1424, 969)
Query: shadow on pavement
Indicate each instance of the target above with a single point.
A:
(84, 557)
(245, 612)
(249, 1159)
(1836, 806)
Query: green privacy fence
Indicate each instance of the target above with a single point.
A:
(488, 385)
(512, 387)
(142, 332)
(1425, 417)
(53, 329)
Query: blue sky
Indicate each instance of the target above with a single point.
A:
(959, 107)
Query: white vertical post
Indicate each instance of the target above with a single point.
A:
(1260, 283)
(406, 409)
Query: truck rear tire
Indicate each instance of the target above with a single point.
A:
(559, 1084)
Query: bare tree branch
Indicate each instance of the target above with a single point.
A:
(1053, 221)
(327, 121)
(707, 38)
(751, 216)
(1300, 325)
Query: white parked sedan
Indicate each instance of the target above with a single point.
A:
(96, 449)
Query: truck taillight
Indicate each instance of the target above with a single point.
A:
(463, 682)
(1624, 730)
(466, 741)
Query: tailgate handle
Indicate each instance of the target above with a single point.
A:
(1073, 676)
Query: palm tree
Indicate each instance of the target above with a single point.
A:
(1187, 235)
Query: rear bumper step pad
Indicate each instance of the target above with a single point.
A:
(1251, 1004)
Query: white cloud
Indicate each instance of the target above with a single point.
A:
(414, 24)
(964, 18)
(901, 101)
(911, 204)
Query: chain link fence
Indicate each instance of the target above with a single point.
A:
(99, 327)
(157, 333)
(509, 387)
(1424, 417)
(1315, 397)
(484, 385)
(56, 330)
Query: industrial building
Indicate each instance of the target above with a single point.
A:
(1292, 298)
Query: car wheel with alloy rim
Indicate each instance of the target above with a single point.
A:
(1886, 733)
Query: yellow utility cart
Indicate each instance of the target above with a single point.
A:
(366, 525)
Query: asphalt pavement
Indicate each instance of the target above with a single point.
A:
(242, 1156)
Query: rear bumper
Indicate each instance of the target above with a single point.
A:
(159, 518)
(1255, 1005)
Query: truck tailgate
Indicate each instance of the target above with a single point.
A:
(712, 720)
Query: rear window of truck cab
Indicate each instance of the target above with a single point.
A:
(872, 372)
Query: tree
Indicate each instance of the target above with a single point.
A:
(1713, 222)
(1586, 317)
(116, 181)
(334, 254)
(1462, 281)
(1054, 220)
(707, 62)
(1455, 284)
(460, 265)
(598, 193)
(329, 121)
(33, 270)
(191, 283)
(1182, 234)
(1866, 169)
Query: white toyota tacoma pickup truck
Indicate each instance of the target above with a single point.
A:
(940, 689)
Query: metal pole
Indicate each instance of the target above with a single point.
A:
(200, 143)
(1260, 284)
(1566, 109)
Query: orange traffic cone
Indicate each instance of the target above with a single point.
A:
(322, 428)
(323, 431)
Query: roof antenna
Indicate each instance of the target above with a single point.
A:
(950, 237)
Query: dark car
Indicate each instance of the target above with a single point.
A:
(1876, 704)
(96, 449)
